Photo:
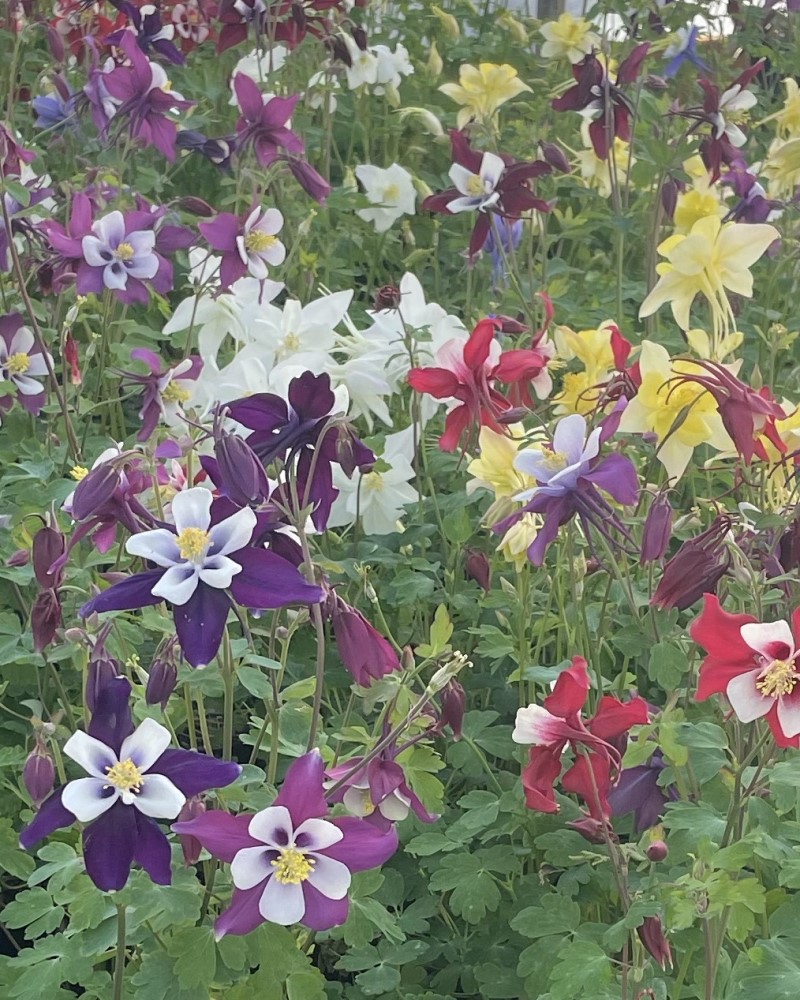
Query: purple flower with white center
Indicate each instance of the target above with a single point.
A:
(752, 205)
(201, 558)
(21, 363)
(478, 191)
(289, 865)
(569, 480)
(377, 792)
(682, 50)
(133, 780)
(165, 392)
(247, 244)
(56, 111)
(263, 122)
(21, 225)
(117, 255)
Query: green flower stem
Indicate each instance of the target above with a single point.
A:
(119, 962)
(228, 678)
(202, 718)
(187, 697)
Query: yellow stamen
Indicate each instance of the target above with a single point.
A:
(175, 394)
(258, 242)
(125, 775)
(778, 679)
(553, 461)
(391, 193)
(78, 472)
(475, 186)
(192, 543)
(373, 482)
(292, 867)
(124, 251)
(18, 364)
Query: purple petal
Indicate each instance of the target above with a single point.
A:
(109, 845)
(363, 845)
(616, 476)
(221, 232)
(200, 623)
(263, 411)
(220, 833)
(269, 581)
(135, 592)
(243, 915)
(148, 358)
(321, 912)
(249, 96)
(301, 791)
(111, 721)
(52, 816)
(193, 772)
(152, 850)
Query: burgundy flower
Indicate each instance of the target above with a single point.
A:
(696, 568)
(364, 652)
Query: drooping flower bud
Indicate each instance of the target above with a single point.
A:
(45, 618)
(669, 197)
(386, 297)
(191, 846)
(477, 568)
(70, 354)
(363, 650)
(196, 206)
(312, 182)
(48, 545)
(242, 474)
(695, 569)
(102, 670)
(94, 490)
(434, 64)
(38, 773)
(453, 700)
(163, 675)
(657, 850)
(555, 156)
(590, 829)
(19, 558)
(657, 530)
(651, 934)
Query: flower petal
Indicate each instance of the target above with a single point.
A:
(242, 916)
(220, 833)
(135, 592)
(88, 798)
(158, 546)
(152, 850)
(51, 816)
(746, 700)
(108, 847)
(158, 797)
(269, 581)
(233, 533)
(251, 866)
(301, 791)
(200, 623)
(192, 772)
(145, 745)
(272, 826)
(178, 584)
(192, 509)
(774, 640)
(316, 835)
(363, 844)
(282, 902)
(789, 714)
(321, 911)
(218, 572)
(92, 755)
(330, 877)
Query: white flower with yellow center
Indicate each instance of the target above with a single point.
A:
(391, 191)
(478, 191)
(258, 244)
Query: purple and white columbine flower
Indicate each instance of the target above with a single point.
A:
(165, 392)
(247, 244)
(557, 467)
(21, 364)
(478, 190)
(133, 779)
(117, 255)
(289, 865)
(200, 559)
(682, 49)
(377, 792)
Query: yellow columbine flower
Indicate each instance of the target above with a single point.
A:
(516, 540)
(482, 90)
(568, 36)
(788, 118)
(703, 346)
(693, 205)
(712, 258)
(596, 173)
(578, 394)
(494, 469)
(681, 414)
(591, 347)
(782, 168)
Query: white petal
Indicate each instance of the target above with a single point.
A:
(461, 178)
(88, 798)
(158, 797)
(316, 835)
(764, 637)
(356, 800)
(22, 342)
(92, 248)
(192, 508)
(26, 385)
(746, 700)
(218, 571)
(110, 229)
(93, 756)
(536, 726)
(331, 878)
(146, 744)
(393, 808)
(178, 584)
(282, 903)
(115, 276)
(272, 826)
(789, 716)
(250, 867)
(157, 546)
(233, 533)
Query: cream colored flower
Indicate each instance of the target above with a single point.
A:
(596, 173)
(515, 542)
(482, 90)
(782, 168)
(570, 37)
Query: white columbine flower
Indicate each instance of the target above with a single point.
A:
(258, 244)
(391, 190)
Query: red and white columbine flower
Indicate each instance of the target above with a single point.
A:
(478, 191)
(755, 664)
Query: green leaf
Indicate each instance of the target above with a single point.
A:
(474, 890)
(254, 681)
(555, 915)
(35, 910)
(18, 191)
(770, 971)
(16, 862)
(582, 968)
(195, 956)
(381, 979)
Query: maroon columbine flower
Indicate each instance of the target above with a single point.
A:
(695, 569)
(364, 652)
(248, 243)
(595, 93)
(263, 121)
(288, 864)
(651, 934)
(133, 779)
(237, 17)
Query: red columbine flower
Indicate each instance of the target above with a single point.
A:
(593, 92)
(755, 664)
(550, 727)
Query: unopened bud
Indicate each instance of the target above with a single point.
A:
(669, 197)
(654, 83)
(453, 700)
(657, 850)
(48, 545)
(94, 491)
(386, 297)
(163, 675)
(477, 568)
(241, 471)
(55, 44)
(446, 673)
(38, 774)
(196, 206)
(448, 22)
(555, 156)
(434, 64)
(45, 618)
(657, 530)
(191, 846)
(19, 558)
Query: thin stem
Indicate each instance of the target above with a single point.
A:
(119, 962)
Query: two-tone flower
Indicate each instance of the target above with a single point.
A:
(22, 365)
(248, 244)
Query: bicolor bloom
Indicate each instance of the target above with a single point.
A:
(378, 792)
(755, 664)
(682, 50)
(22, 364)
(288, 864)
(247, 244)
(164, 392)
(549, 728)
(115, 255)
(200, 559)
(482, 90)
(570, 37)
(133, 779)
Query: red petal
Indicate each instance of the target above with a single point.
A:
(476, 349)
(544, 766)
(614, 717)
(571, 688)
(718, 633)
(437, 382)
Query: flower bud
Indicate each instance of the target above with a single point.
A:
(654, 83)
(434, 64)
(19, 558)
(453, 701)
(313, 183)
(448, 22)
(191, 846)
(48, 545)
(695, 569)
(102, 670)
(555, 156)
(163, 675)
(590, 829)
(94, 491)
(657, 530)
(657, 850)
(38, 773)
(386, 297)
(243, 476)
(651, 934)
(669, 197)
(70, 355)
(477, 568)
(45, 618)
(196, 206)
(55, 44)
(364, 652)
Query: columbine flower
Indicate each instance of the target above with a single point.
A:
(391, 190)
(568, 36)
(288, 865)
(754, 664)
(165, 392)
(150, 33)
(378, 498)
(695, 569)
(133, 779)
(264, 121)
(494, 469)
(247, 244)
(115, 255)
(637, 790)
(712, 258)
(681, 49)
(364, 652)
(378, 792)
(681, 413)
(482, 90)
(21, 363)
(201, 559)
(478, 190)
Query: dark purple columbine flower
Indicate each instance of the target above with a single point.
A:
(569, 479)
(149, 31)
(12, 154)
(752, 205)
(218, 151)
(237, 16)
(163, 674)
(657, 530)
(365, 653)
(378, 792)
(288, 864)
(21, 225)
(204, 561)
(247, 244)
(133, 780)
(263, 121)
(637, 790)
(294, 431)
(695, 569)
(165, 391)
(38, 773)
(682, 50)
(142, 91)
(313, 183)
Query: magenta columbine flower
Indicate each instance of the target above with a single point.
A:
(21, 364)
(115, 255)
(165, 391)
(263, 121)
(133, 779)
(289, 865)
(247, 245)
